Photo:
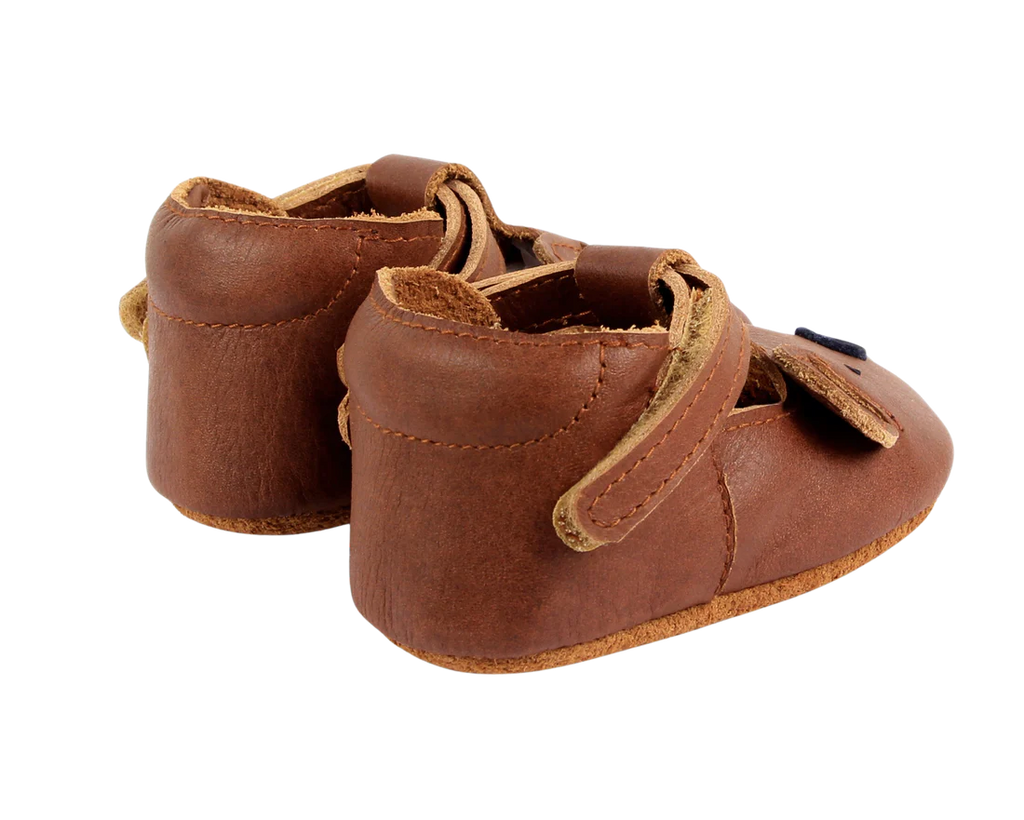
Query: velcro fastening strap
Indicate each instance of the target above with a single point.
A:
(700, 383)
(483, 257)
(469, 249)
(455, 229)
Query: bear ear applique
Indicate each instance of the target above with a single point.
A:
(836, 377)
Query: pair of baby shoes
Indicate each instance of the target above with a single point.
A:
(548, 451)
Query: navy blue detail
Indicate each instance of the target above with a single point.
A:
(838, 345)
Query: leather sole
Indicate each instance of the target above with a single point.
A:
(282, 525)
(717, 609)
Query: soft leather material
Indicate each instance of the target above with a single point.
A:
(399, 184)
(808, 487)
(550, 302)
(246, 302)
(245, 315)
(621, 286)
(453, 247)
(466, 437)
(483, 256)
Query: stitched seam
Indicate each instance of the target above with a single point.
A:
(511, 446)
(559, 320)
(575, 249)
(289, 226)
(175, 209)
(282, 322)
(730, 530)
(664, 483)
(531, 285)
(849, 388)
(669, 432)
(516, 342)
(758, 423)
(259, 224)
(338, 511)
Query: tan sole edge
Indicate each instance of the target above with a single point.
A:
(686, 620)
(283, 525)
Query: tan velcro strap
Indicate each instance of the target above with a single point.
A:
(700, 383)
(453, 243)
(483, 256)
(469, 249)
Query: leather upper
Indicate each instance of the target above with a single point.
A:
(247, 300)
(582, 466)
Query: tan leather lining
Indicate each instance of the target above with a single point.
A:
(454, 230)
(434, 293)
(765, 382)
(318, 188)
(483, 250)
(132, 310)
(514, 339)
(215, 195)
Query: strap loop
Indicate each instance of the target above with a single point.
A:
(621, 285)
(398, 184)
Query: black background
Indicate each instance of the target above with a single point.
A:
(843, 230)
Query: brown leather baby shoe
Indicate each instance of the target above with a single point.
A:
(584, 457)
(245, 303)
